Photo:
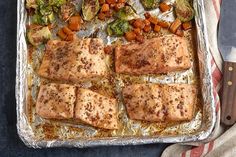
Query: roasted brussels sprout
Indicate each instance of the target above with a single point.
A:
(126, 13)
(118, 27)
(183, 10)
(90, 9)
(150, 4)
(38, 34)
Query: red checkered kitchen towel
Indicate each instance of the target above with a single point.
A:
(222, 143)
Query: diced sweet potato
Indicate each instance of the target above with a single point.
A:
(137, 31)
(138, 23)
(61, 34)
(105, 7)
(139, 38)
(111, 1)
(175, 25)
(153, 20)
(101, 16)
(129, 36)
(67, 31)
(164, 7)
(147, 28)
(157, 28)
(118, 6)
(187, 25)
(146, 22)
(74, 23)
(179, 32)
(164, 24)
(147, 15)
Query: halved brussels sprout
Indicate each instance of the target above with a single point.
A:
(126, 13)
(38, 35)
(118, 27)
(90, 9)
(184, 10)
(150, 4)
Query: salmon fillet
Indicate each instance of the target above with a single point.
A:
(144, 102)
(154, 56)
(56, 101)
(156, 103)
(73, 61)
(96, 110)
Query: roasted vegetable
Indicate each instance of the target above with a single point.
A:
(44, 12)
(183, 10)
(164, 7)
(126, 13)
(31, 4)
(90, 9)
(66, 11)
(38, 34)
(150, 4)
(118, 27)
(175, 25)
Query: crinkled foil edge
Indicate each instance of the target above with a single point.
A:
(209, 116)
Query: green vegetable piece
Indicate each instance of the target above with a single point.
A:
(90, 9)
(38, 35)
(126, 13)
(118, 27)
(150, 4)
(184, 11)
(56, 3)
(31, 4)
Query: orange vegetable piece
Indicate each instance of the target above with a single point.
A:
(146, 22)
(101, 16)
(147, 28)
(129, 36)
(164, 24)
(179, 32)
(74, 23)
(157, 28)
(164, 7)
(187, 25)
(138, 23)
(118, 6)
(121, 1)
(70, 37)
(105, 8)
(61, 34)
(139, 38)
(111, 1)
(147, 15)
(153, 20)
(175, 25)
(137, 31)
(108, 14)
(67, 31)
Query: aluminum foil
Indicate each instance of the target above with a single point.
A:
(37, 132)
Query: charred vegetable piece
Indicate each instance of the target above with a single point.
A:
(44, 12)
(183, 10)
(118, 27)
(150, 4)
(31, 4)
(126, 13)
(66, 11)
(90, 9)
(38, 34)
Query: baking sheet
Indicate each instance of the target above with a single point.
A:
(38, 132)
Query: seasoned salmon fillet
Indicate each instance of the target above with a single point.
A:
(73, 61)
(157, 55)
(56, 101)
(156, 103)
(144, 102)
(96, 110)
(180, 101)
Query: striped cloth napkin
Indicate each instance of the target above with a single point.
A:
(221, 143)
